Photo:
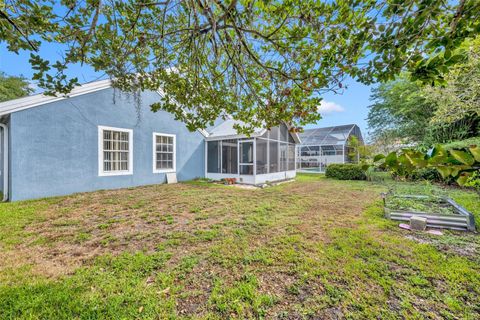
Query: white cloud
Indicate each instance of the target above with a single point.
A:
(33, 85)
(328, 107)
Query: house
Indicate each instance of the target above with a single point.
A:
(323, 146)
(98, 138)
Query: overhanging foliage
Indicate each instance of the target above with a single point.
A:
(262, 62)
(459, 164)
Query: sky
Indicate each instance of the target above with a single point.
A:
(350, 107)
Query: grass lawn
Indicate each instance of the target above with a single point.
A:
(314, 248)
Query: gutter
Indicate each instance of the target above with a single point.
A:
(5, 162)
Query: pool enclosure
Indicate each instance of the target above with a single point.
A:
(265, 156)
(323, 146)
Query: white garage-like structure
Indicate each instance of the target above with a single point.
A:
(264, 156)
(323, 146)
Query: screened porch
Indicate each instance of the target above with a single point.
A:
(266, 156)
(323, 146)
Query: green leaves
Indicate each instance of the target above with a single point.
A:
(444, 171)
(463, 178)
(378, 157)
(463, 157)
(475, 151)
(13, 87)
(261, 62)
(391, 159)
(454, 164)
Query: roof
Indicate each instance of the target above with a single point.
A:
(226, 130)
(337, 135)
(36, 100)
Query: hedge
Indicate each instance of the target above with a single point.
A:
(429, 174)
(347, 171)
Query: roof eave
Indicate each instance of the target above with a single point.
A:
(235, 136)
(20, 104)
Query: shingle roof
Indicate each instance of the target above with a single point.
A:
(328, 136)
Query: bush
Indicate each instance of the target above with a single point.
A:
(474, 181)
(375, 175)
(347, 171)
(429, 174)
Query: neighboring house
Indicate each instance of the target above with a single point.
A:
(97, 138)
(323, 146)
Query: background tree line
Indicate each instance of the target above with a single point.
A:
(12, 87)
(409, 113)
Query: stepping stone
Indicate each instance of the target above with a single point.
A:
(418, 223)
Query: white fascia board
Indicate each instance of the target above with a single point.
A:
(235, 136)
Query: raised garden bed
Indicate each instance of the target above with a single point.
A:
(440, 212)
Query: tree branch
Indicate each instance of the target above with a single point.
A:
(4, 15)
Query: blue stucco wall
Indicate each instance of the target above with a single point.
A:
(54, 147)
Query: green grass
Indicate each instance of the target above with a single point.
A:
(315, 248)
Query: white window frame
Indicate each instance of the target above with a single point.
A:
(101, 171)
(154, 153)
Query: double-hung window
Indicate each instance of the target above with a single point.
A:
(115, 146)
(163, 152)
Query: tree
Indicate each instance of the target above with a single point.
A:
(259, 61)
(357, 151)
(458, 100)
(410, 112)
(400, 112)
(12, 87)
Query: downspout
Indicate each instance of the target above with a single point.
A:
(5, 161)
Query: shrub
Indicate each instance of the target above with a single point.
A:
(374, 175)
(347, 171)
(474, 181)
(429, 174)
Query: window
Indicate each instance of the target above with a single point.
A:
(229, 156)
(163, 152)
(222, 156)
(262, 156)
(213, 154)
(274, 159)
(291, 157)
(283, 156)
(246, 157)
(115, 155)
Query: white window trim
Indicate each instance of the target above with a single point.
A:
(103, 173)
(154, 153)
